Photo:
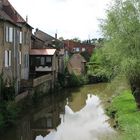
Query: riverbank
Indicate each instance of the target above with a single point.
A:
(126, 116)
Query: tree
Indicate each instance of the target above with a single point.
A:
(121, 51)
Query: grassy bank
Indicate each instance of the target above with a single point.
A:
(127, 117)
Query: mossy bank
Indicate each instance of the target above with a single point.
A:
(126, 116)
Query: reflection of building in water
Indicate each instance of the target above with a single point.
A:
(40, 120)
(45, 120)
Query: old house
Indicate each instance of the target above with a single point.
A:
(53, 42)
(77, 64)
(43, 62)
(15, 42)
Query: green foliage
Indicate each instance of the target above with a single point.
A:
(120, 54)
(124, 109)
(7, 92)
(86, 55)
(75, 81)
(122, 29)
(8, 114)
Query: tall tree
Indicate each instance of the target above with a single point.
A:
(122, 48)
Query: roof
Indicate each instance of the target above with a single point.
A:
(42, 51)
(7, 12)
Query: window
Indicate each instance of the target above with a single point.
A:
(20, 37)
(42, 61)
(7, 58)
(83, 49)
(48, 59)
(77, 49)
(37, 61)
(9, 34)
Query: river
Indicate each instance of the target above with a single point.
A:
(72, 114)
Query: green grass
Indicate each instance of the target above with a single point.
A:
(126, 115)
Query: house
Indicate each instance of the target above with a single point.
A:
(52, 42)
(43, 62)
(76, 64)
(15, 43)
(77, 47)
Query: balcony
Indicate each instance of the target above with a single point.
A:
(43, 68)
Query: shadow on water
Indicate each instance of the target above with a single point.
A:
(45, 116)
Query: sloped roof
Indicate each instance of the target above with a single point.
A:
(42, 51)
(7, 12)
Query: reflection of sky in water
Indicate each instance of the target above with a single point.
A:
(87, 124)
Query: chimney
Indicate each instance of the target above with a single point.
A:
(27, 19)
(56, 35)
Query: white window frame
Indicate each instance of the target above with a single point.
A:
(20, 37)
(11, 34)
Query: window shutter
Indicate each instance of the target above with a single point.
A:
(6, 58)
(10, 58)
(19, 57)
(7, 34)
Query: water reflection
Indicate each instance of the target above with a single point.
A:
(81, 115)
(90, 123)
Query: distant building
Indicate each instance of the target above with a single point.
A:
(77, 47)
(76, 64)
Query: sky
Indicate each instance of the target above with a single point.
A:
(68, 18)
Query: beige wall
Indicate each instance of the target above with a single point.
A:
(25, 51)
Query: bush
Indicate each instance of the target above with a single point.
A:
(8, 114)
(75, 81)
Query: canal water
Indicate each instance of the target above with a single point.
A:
(72, 114)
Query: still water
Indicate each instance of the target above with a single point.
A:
(72, 114)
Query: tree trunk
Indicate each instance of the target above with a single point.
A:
(135, 87)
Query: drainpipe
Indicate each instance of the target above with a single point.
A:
(16, 68)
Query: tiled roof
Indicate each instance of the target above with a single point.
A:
(42, 51)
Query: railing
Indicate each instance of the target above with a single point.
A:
(40, 68)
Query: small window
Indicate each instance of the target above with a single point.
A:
(83, 49)
(42, 61)
(10, 34)
(48, 59)
(20, 37)
(77, 49)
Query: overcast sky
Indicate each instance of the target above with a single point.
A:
(69, 18)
